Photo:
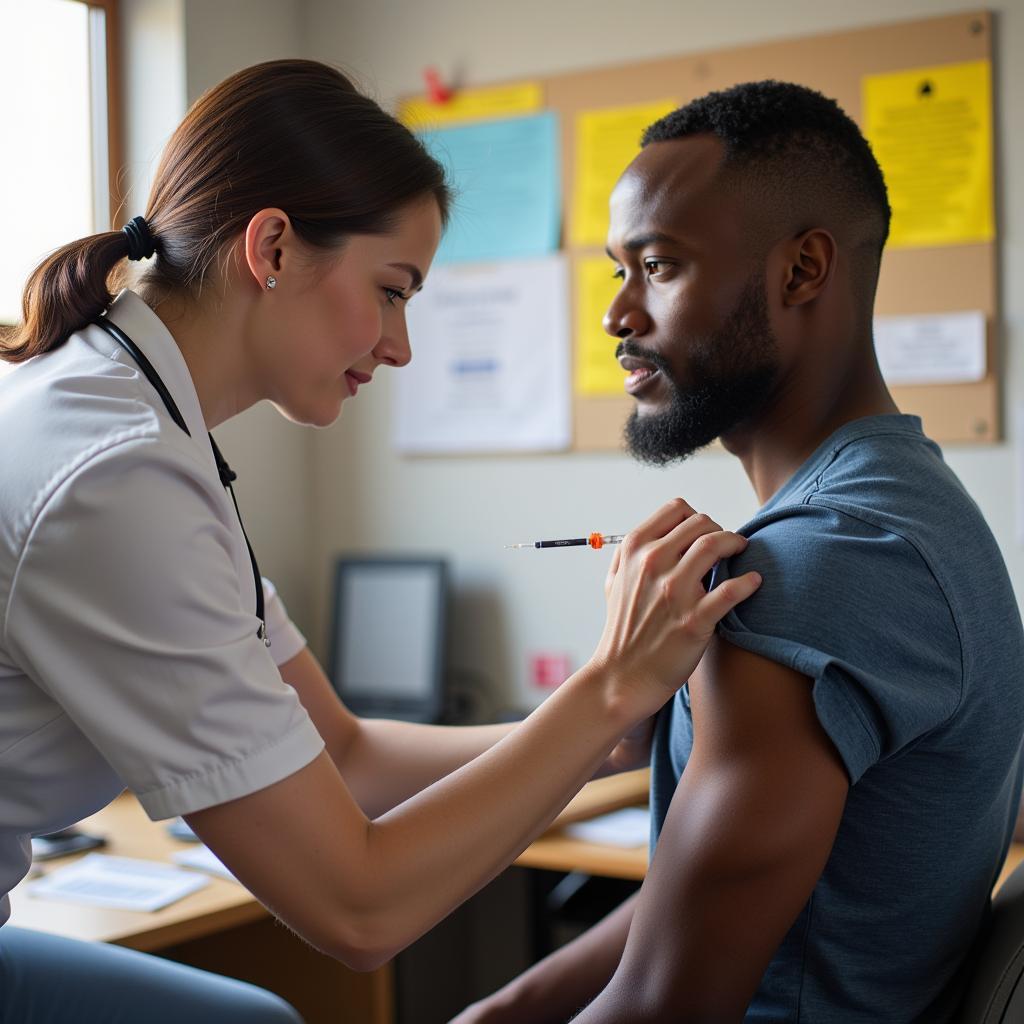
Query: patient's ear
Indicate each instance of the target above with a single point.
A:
(808, 265)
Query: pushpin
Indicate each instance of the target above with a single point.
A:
(436, 89)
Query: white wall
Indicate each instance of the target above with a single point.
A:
(173, 51)
(270, 455)
(154, 90)
(223, 36)
(364, 497)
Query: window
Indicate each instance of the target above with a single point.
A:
(59, 131)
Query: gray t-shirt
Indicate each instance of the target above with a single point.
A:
(884, 585)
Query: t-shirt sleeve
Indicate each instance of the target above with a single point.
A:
(126, 609)
(855, 608)
(285, 638)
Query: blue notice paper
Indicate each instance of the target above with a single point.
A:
(507, 188)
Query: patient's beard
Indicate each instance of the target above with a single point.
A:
(733, 372)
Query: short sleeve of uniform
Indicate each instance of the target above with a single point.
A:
(125, 608)
(854, 607)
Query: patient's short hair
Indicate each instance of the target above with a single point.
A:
(799, 155)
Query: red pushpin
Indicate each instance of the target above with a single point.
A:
(436, 89)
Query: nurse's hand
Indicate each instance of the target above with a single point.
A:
(660, 618)
(361, 890)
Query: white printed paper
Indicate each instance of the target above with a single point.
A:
(942, 348)
(628, 827)
(202, 858)
(123, 882)
(490, 368)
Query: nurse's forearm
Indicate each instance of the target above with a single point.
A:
(436, 849)
(387, 762)
(382, 762)
(362, 890)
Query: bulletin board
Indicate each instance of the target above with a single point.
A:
(915, 281)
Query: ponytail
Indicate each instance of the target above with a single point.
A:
(68, 290)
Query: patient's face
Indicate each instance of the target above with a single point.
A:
(691, 315)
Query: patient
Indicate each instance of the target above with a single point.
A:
(835, 789)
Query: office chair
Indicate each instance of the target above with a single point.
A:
(995, 991)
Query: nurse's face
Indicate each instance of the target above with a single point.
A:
(335, 323)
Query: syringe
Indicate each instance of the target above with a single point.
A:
(595, 540)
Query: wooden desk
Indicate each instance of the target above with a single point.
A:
(224, 929)
(555, 851)
(223, 904)
(221, 928)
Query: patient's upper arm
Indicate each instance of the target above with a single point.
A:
(746, 837)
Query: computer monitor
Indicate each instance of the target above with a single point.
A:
(388, 636)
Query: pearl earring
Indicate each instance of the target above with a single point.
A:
(271, 282)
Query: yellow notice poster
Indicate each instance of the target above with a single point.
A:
(484, 104)
(931, 131)
(606, 140)
(597, 370)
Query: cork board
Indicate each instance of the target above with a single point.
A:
(914, 281)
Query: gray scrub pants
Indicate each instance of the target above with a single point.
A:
(49, 980)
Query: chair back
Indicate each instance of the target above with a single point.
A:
(995, 991)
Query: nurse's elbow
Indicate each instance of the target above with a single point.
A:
(361, 957)
(362, 940)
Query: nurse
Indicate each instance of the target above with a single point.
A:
(290, 222)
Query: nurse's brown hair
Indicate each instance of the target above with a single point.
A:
(291, 134)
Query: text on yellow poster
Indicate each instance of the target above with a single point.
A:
(931, 132)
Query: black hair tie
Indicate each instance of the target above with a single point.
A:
(141, 244)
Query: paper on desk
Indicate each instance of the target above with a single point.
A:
(628, 827)
(123, 882)
(202, 858)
